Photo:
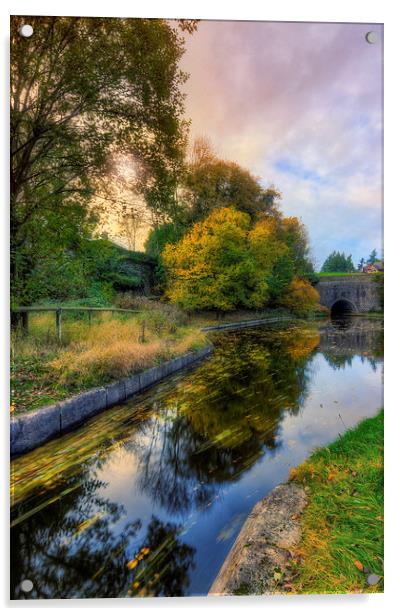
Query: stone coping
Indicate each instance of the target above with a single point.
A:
(240, 324)
(30, 430)
(264, 545)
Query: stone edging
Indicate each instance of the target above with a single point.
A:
(30, 430)
(240, 324)
(259, 560)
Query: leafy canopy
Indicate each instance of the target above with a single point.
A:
(83, 89)
(226, 261)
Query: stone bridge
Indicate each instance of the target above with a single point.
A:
(354, 293)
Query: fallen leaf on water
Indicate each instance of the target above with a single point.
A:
(359, 565)
(132, 563)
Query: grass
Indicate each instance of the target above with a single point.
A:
(44, 371)
(342, 526)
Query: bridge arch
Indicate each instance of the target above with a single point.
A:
(342, 306)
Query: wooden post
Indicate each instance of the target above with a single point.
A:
(25, 322)
(58, 323)
(143, 331)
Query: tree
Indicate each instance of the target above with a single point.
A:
(220, 263)
(372, 257)
(294, 234)
(225, 262)
(338, 262)
(82, 89)
(210, 183)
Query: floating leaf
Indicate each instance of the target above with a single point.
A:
(132, 563)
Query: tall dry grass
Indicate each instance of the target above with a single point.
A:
(112, 347)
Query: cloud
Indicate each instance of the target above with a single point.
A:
(300, 105)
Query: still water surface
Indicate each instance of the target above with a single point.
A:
(148, 497)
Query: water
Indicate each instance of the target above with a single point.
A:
(148, 497)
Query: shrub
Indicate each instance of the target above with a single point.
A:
(300, 297)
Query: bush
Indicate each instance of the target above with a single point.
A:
(300, 297)
(159, 317)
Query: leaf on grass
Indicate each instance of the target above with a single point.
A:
(331, 476)
(359, 565)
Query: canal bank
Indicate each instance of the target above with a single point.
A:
(32, 429)
(320, 533)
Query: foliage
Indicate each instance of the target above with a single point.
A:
(342, 527)
(300, 297)
(372, 257)
(379, 280)
(82, 89)
(294, 234)
(42, 371)
(226, 262)
(222, 262)
(338, 262)
(90, 274)
(211, 183)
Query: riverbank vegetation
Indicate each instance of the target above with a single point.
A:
(341, 550)
(43, 371)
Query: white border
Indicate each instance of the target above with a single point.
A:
(284, 10)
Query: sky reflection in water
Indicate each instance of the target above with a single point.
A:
(148, 497)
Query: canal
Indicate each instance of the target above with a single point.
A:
(148, 497)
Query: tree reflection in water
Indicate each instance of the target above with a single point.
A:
(181, 443)
(208, 432)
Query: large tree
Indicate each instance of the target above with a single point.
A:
(83, 89)
(227, 261)
(338, 262)
(211, 182)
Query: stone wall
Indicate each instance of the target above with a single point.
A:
(362, 292)
(30, 430)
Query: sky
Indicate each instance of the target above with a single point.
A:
(300, 106)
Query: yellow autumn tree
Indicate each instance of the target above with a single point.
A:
(222, 262)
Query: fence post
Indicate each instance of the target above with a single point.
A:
(58, 323)
(142, 339)
(25, 322)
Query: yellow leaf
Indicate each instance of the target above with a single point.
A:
(359, 565)
(331, 476)
(132, 563)
(292, 474)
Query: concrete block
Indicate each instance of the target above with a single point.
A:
(115, 393)
(148, 377)
(33, 429)
(79, 408)
(132, 385)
